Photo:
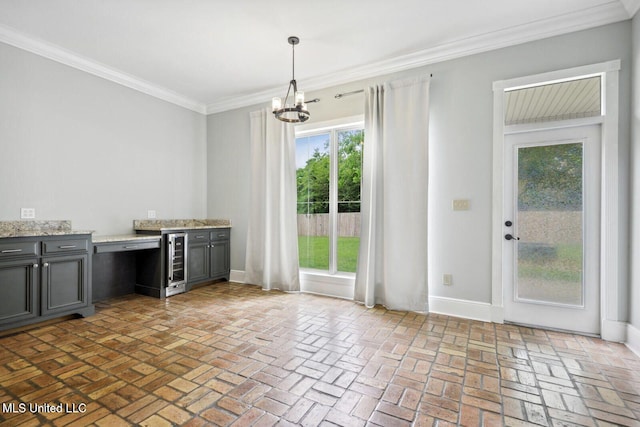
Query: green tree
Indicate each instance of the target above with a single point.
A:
(350, 145)
(550, 177)
(313, 179)
(313, 184)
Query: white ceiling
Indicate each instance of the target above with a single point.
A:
(213, 55)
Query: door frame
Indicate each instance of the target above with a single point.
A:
(612, 293)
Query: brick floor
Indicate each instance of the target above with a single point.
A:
(229, 354)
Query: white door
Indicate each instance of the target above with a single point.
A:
(551, 230)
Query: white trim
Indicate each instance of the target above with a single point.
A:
(588, 18)
(614, 330)
(557, 75)
(342, 286)
(237, 276)
(563, 24)
(497, 314)
(561, 124)
(632, 6)
(497, 199)
(633, 339)
(318, 127)
(48, 50)
(610, 295)
(611, 298)
(331, 285)
(461, 308)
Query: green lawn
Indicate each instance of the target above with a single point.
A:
(566, 266)
(556, 278)
(314, 252)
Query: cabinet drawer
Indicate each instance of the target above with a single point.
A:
(18, 249)
(128, 246)
(58, 246)
(196, 236)
(220, 234)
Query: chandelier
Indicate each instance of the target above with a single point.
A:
(296, 112)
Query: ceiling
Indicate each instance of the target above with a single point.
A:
(214, 55)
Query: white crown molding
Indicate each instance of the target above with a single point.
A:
(588, 18)
(14, 38)
(632, 6)
(582, 20)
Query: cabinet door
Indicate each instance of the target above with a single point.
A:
(18, 287)
(64, 283)
(219, 259)
(198, 262)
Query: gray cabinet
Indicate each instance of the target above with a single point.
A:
(18, 290)
(208, 255)
(44, 277)
(64, 283)
(219, 254)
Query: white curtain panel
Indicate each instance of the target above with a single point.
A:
(272, 236)
(392, 261)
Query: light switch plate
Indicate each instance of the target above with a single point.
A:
(461, 204)
(27, 213)
(447, 279)
(151, 214)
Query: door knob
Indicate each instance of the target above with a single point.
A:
(508, 223)
(510, 237)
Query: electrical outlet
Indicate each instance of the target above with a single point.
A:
(27, 213)
(461, 204)
(447, 279)
(151, 214)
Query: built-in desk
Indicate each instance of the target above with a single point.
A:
(114, 263)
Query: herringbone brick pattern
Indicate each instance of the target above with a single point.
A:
(230, 354)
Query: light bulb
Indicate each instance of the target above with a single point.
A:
(299, 98)
(276, 104)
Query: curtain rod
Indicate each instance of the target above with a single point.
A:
(340, 95)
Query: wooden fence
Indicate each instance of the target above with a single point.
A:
(318, 224)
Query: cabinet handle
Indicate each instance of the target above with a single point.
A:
(45, 265)
(131, 247)
(221, 235)
(200, 237)
(66, 247)
(10, 251)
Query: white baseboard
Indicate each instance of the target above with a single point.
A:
(339, 286)
(336, 286)
(613, 330)
(237, 276)
(461, 308)
(342, 287)
(633, 339)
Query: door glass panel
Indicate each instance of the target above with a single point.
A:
(312, 180)
(550, 224)
(349, 180)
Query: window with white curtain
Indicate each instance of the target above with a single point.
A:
(328, 179)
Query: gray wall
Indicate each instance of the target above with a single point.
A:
(78, 147)
(634, 300)
(461, 149)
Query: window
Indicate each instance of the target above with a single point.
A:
(329, 176)
(552, 101)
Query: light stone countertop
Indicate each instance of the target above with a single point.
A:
(179, 224)
(38, 228)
